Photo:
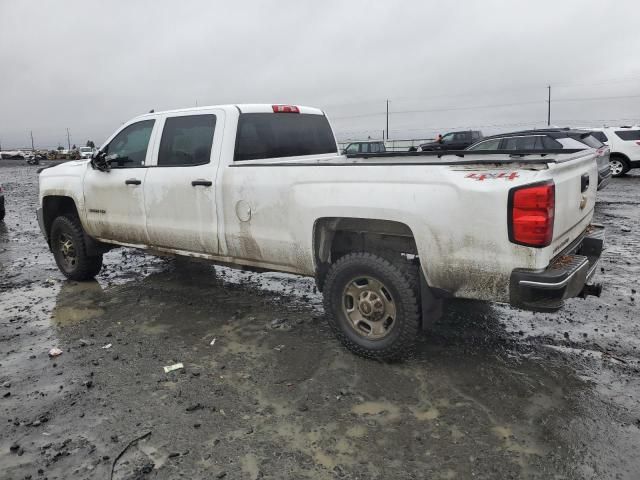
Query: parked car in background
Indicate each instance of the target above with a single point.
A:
(12, 154)
(365, 147)
(453, 141)
(624, 143)
(86, 152)
(2, 210)
(551, 139)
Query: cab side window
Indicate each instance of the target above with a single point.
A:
(186, 141)
(129, 147)
(448, 138)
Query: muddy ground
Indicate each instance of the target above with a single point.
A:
(492, 393)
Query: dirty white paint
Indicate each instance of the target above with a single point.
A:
(263, 212)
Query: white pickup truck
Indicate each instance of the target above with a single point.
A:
(387, 236)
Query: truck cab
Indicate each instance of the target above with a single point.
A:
(453, 141)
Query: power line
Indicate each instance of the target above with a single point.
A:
(478, 107)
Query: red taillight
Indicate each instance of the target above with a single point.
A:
(637, 142)
(285, 109)
(531, 212)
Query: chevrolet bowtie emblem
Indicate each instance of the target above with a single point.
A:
(583, 202)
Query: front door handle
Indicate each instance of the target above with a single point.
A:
(132, 181)
(202, 183)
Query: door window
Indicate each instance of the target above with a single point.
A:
(352, 148)
(534, 142)
(129, 147)
(186, 141)
(460, 137)
(448, 138)
(487, 145)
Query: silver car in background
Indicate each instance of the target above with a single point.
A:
(551, 139)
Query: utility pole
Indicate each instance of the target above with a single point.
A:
(549, 107)
(387, 120)
(68, 139)
(32, 147)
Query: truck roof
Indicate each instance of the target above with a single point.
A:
(240, 107)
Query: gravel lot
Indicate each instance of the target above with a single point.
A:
(492, 393)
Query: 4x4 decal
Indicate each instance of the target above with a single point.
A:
(493, 176)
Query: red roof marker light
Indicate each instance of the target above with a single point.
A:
(285, 109)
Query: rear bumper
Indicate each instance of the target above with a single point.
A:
(566, 277)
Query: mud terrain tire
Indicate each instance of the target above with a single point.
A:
(70, 252)
(399, 280)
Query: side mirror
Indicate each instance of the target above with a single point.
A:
(99, 161)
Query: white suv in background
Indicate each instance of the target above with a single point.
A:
(624, 143)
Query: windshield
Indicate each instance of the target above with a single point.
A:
(85, 149)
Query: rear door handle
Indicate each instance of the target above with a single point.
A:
(202, 183)
(132, 181)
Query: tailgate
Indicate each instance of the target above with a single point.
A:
(576, 182)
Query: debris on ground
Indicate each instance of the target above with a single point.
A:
(54, 352)
(132, 442)
(107, 346)
(171, 368)
(213, 342)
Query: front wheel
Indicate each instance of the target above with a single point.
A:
(619, 167)
(70, 252)
(372, 305)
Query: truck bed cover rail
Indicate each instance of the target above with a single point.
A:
(462, 157)
(462, 153)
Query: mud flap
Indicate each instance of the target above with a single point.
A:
(431, 306)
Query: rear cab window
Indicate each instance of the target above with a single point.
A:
(278, 135)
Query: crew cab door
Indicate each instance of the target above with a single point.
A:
(180, 187)
(114, 200)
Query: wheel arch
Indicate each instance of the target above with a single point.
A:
(54, 206)
(334, 237)
(621, 156)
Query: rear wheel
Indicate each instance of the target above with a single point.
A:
(372, 305)
(619, 166)
(70, 252)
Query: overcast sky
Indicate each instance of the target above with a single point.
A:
(90, 65)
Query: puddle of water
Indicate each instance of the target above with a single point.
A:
(381, 408)
(71, 315)
(357, 431)
(510, 443)
(430, 414)
(249, 464)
